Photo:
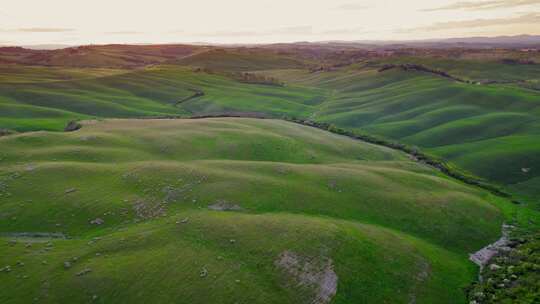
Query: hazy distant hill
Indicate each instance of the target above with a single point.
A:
(98, 55)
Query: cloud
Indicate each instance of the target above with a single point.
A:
(353, 7)
(529, 18)
(123, 33)
(283, 31)
(226, 34)
(293, 30)
(345, 31)
(40, 30)
(484, 5)
(176, 32)
(305, 31)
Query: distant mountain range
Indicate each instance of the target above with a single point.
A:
(479, 42)
(331, 52)
(518, 41)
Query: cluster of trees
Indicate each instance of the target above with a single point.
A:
(257, 79)
(419, 68)
(512, 61)
(514, 273)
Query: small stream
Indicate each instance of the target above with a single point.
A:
(484, 255)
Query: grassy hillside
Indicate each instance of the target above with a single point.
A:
(241, 60)
(490, 130)
(152, 91)
(500, 68)
(390, 230)
(256, 211)
(458, 121)
(461, 122)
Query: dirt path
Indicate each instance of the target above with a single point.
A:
(315, 274)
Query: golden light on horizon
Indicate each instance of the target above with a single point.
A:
(28, 22)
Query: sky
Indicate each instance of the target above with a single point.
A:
(75, 22)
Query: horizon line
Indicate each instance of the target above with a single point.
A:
(207, 43)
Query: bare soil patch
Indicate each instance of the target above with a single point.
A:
(316, 274)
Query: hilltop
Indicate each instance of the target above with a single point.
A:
(116, 55)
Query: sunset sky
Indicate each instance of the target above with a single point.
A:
(28, 22)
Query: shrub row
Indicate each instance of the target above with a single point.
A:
(414, 152)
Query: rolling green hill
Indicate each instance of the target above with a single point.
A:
(235, 210)
(491, 130)
(443, 117)
(153, 91)
(232, 206)
(241, 60)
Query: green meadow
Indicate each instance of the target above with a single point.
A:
(393, 229)
(145, 205)
(463, 123)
